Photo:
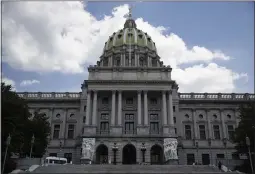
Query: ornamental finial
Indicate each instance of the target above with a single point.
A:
(130, 12)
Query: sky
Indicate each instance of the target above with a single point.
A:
(47, 46)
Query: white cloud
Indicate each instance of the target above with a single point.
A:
(29, 82)
(62, 36)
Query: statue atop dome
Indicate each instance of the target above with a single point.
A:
(130, 23)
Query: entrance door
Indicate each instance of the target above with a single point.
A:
(156, 154)
(129, 154)
(205, 159)
(102, 154)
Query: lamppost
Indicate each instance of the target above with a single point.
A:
(210, 146)
(225, 147)
(8, 142)
(115, 149)
(32, 143)
(248, 143)
(197, 151)
(143, 149)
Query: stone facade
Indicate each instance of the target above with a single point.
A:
(130, 99)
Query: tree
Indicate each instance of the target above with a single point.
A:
(245, 128)
(17, 121)
(40, 128)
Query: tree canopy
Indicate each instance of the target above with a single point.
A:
(18, 122)
(245, 128)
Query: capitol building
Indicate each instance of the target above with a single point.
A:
(130, 105)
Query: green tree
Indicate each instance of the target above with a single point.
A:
(40, 128)
(245, 128)
(17, 121)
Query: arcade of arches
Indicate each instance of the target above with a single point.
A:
(129, 154)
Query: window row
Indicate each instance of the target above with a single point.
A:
(206, 158)
(202, 132)
(129, 101)
(70, 131)
(201, 116)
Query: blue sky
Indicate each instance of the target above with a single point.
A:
(224, 26)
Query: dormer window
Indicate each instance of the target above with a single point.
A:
(140, 36)
(154, 62)
(111, 38)
(105, 101)
(130, 34)
(121, 31)
(117, 61)
(149, 39)
(105, 62)
(119, 36)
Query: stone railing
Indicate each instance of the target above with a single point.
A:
(49, 95)
(216, 96)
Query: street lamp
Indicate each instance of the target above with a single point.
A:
(225, 146)
(197, 151)
(32, 143)
(248, 143)
(143, 149)
(115, 149)
(210, 146)
(8, 142)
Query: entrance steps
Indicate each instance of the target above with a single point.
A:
(130, 169)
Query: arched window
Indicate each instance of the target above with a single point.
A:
(117, 61)
(71, 115)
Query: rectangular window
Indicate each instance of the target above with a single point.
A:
(104, 126)
(56, 131)
(175, 131)
(154, 62)
(174, 108)
(202, 132)
(68, 156)
(53, 154)
(174, 120)
(235, 156)
(220, 156)
(105, 101)
(84, 119)
(129, 101)
(129, 127)
(154, 127)
(70, 133)
(231, 132)
(127, 61)
(190, 158)
(216, 130)
(84, 108)
(153, 101)
(132, 61)
(105, 62)
(188, 132)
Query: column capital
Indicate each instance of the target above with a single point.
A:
(113, 91)
(163, 91)
(139, 91)
(95, 91)
(145, 91)
(170, 91)
(120, 91)
(88, 90)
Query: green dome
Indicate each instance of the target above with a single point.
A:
(130, 35)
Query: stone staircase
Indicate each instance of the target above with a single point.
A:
(129, 169)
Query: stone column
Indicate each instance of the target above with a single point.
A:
(119, 108)
(145, 108)
(94, 118)
(209, 124)
(139, 107)
(164, 108)
(88, 107)
(170, 109)
(223, 123)
(113, 108)
(194, 123)
(64, 125)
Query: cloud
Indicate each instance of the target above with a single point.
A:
(63, 37)
(29, 82)
(8, 81)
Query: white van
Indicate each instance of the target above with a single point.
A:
(52, 160)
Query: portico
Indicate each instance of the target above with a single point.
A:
(122, 102)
